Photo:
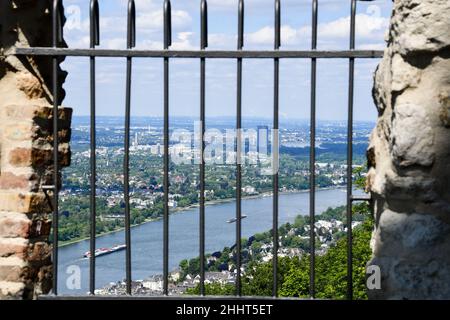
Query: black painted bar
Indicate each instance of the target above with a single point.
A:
(203, 45)
(94, 40)
(312, 156)
(167, 43)
(131, 42)
(57, 39)
(276, 89)
(240, 45)
(350, 155)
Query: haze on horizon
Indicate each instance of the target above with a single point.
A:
(147, 89)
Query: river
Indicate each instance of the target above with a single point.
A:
(146, 239)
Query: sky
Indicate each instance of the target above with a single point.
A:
(147, 90)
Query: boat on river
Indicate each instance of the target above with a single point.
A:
(104, 251)
(235, 219)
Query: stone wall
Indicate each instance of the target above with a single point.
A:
(409, 154)
(26, 141)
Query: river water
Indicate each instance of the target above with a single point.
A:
(146, 239)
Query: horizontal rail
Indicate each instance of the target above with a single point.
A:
(360, 198)
(218, 54)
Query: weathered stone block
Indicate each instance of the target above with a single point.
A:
(11, 269)
(14, 225)
(39, 157)
(34, 112)
(409, 233)
(20, 157)
(39, 253)
(11, 290)
(19, 131)
(30, 85)
(414, 137)
(9, 180)
(409, 155)
(23, 202)
(16, 247)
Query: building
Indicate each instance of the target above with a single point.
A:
(262, 140)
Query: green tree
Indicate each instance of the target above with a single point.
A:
(259, 279)
(331, 269)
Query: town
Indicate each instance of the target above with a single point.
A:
(221, 269)
(146, 188)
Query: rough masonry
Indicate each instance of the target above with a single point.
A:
(409, 154)
(26, 146)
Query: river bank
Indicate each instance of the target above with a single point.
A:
(180, 210)
(147, 239)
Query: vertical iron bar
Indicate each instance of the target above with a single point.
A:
(350, 155)
(94, 40)
(57, 38)
(202, 179)
(312, 159)
(167, 43)
(131, 41)
(203, 45)
(126, 178)
(240, 45)
(274, 143)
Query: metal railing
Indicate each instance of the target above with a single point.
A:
(129, 53)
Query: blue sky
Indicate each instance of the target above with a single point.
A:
(147, 100)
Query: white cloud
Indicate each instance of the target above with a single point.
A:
(146, 21)
(368, 28)
(149, 45)
(262, 36)
(223, 3)
(183, 41)
(231, 5)
(266, 35)
(222, 40)
(141, 4)
(78, 42)
(113, 28)
(372, 46)
(151, 20)
(114, 43)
